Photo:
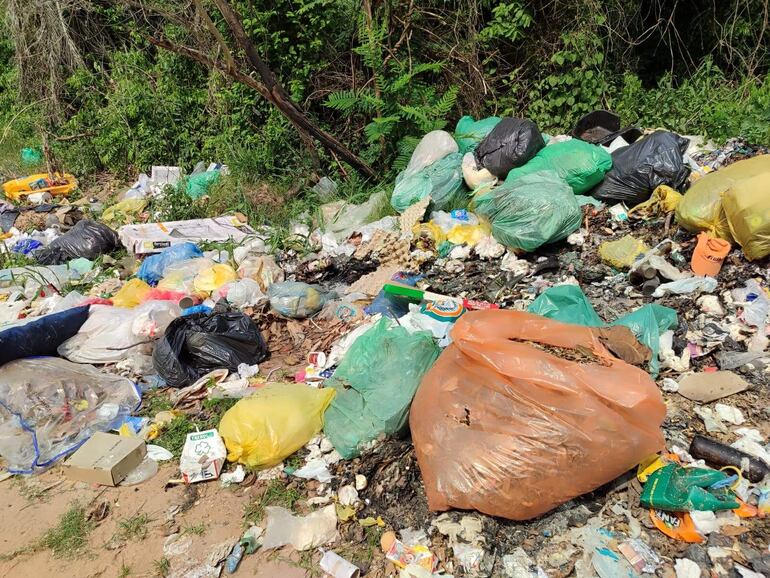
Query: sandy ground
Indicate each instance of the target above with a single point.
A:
(32, 506)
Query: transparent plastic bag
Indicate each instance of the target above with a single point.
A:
(111, 333)
(155, 267)
(442, 181)
(242, 293)
(49, 407)
(214, 277)
(263, 429)
(263, 269)
(375, 383)
(297, 300)
(433, 146)
(181, 276)
(505, 424)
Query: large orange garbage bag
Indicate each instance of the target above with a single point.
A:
(513, 429)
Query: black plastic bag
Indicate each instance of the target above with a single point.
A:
(197, 344)
(640, 168)
(87, 239)
(42, 336)
(512, 143)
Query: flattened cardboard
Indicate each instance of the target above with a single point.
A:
(105, 459)
(706, 387)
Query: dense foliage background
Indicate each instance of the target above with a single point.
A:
(379, 74)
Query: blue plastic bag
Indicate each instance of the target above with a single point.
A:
(154, 267)
(568, 303)
(41, 336)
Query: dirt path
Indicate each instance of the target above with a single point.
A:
(208, 515)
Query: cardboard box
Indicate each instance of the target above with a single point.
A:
(105, 459)
(203, 456)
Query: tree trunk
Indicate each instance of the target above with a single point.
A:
(280, 98)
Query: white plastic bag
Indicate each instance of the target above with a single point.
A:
(111, 333)
(434, 146)
(306, 532)
(475, 176)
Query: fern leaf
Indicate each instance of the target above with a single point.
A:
(379, 127)
(343, 100)
(405, 149)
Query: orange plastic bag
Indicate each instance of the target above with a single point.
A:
(513, 430)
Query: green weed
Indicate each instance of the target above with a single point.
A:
(162, 566)
(276, 494)
(69, 538)
(125, 571)
(195, 529)
(133, 528)
(174, 434)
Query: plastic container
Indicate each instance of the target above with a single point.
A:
(709, 255)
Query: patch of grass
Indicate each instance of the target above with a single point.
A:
(125, 571)
(162, 567)
(195, 529)
(307, 563)
(154, 402)
(133, 528)
(69, 538)
(174, 435)
(31, 491)
(276, 494)
(293, 462)
(364, 551)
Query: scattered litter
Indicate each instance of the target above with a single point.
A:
(301, 532)
(706, 387)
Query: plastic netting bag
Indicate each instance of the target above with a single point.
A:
(512, 143)
(469, 133)
(701, 209)
(640, 168)
(49, 407)
(442, 181)
(579, 163)
(568, 303)
(113, 333)
(87, 239)
(506, 424)
(273, 423)
(535, 209)
(154, 267)
(196, 344)
(375, 383)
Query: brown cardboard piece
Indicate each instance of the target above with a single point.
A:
(706, 387)
(105, 459)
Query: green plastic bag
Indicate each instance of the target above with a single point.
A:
(442, 181)
(568, 303)
(31, 157)
(198, 185)
(536, 209)
(579, 163)
(375, 383)
(678, 489)
(469, 133)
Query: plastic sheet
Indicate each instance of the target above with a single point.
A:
(124, 212)
(442, 181)
(701, 208)
(113, 333)
(199, 184)
(196, 344)
(154, 267)
(568, 303)
(513, 430)
(87, 239)
(512, 143)
(41, 336)
(469, 133)
(131, 294)
(375, 383)
(277, 420)
(535, 209)
(579, 163)
(49, 407)
(643, 166)
(297, 300)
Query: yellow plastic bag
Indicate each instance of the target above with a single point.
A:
(622, 253)
(212, 278)
(124, 212)
(701, 208)
(431, 230)
(131, 294)
(468, 234)
(662, 201)
(261, 430)
(747, 207)
(18, 188)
